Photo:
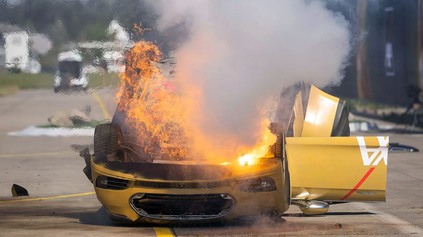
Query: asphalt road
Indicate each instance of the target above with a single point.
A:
(61, 201)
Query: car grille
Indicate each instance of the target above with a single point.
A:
(182, 207)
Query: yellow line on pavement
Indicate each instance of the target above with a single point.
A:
(163, 232)
(160, 231)
(101, 104)
(47, 198)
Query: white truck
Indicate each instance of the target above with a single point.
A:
(16, 50)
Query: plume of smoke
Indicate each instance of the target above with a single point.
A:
(240, 53)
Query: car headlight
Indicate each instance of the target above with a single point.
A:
(111, 183)
(262, 184)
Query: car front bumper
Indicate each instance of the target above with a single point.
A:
(135, 199)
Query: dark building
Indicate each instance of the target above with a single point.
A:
(386, 57)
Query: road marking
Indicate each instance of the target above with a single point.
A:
(48, 198)
(398, 223)
(34, 131)
(163, 232)
(101, 104)
(160, 231)
(53, 153)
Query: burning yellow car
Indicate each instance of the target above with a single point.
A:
(314, 163)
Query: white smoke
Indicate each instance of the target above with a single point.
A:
(243, 52)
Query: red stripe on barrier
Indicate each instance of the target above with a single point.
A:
(359, 183)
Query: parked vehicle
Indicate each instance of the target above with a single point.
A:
(69, 74)
(16, 51)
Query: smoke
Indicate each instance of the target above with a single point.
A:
(241, 53)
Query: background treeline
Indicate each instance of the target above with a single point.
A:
(65, 21)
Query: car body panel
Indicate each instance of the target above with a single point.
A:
(329, 168)
(298, 115)
(320, 114)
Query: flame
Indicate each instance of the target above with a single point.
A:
(261, 150)
(162, 116)
(151, 105)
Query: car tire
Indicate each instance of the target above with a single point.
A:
(107, 138)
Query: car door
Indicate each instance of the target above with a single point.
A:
(333, 167)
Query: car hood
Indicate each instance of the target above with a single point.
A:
(183, 172)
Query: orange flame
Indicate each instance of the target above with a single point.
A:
(261, 150)
(153, 108)
(160, 115)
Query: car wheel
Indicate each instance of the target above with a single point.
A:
(56, 89)
(106, 139)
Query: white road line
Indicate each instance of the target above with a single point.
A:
(33, 131)
(400, 224)
(39, 154)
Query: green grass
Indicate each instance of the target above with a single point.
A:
(45, 81)
(26, 81)
(103, 80)
(355, 104)
(8, 90)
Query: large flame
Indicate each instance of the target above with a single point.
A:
(151, 104)
(162, 116)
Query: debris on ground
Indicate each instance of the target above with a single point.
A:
(79, 147)
(18, 191)
(75, 118)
